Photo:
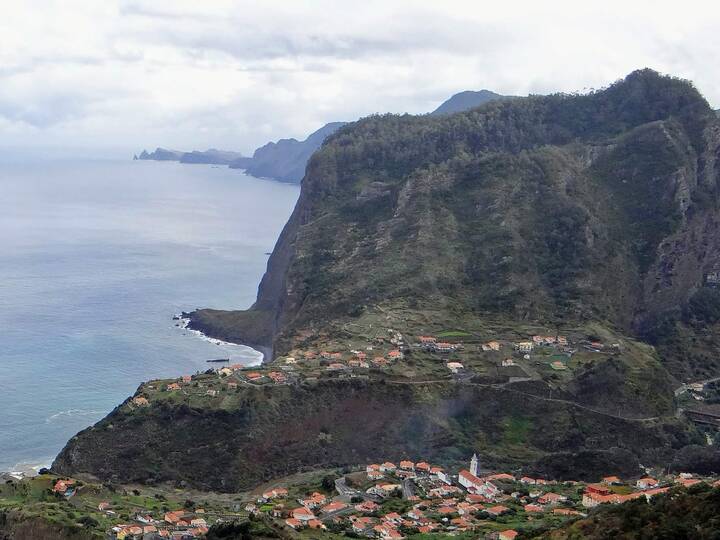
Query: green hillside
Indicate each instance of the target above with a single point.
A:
(678, 516)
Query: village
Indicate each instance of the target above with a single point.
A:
(383, 501)
(396, 500)
(389, 354)
(116, 511)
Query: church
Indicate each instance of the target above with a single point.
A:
(471, 482)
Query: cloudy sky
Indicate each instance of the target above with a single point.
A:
(117, 76)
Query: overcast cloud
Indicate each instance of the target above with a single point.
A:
(124, 75)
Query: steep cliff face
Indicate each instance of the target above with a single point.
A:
(555, 209)
(280, 430)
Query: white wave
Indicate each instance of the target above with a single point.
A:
(72, 413)
(184, 324)
(26, 469)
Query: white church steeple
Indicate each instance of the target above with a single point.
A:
(474, 465)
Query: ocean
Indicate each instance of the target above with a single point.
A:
(96, 257)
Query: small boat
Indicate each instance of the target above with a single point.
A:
(219, 360)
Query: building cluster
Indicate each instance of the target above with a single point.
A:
(557, 342)
(648, 487)
(175, 525)
(441, 502)
(65, 487)
(430, 343)
(382, 352)
(226, 378)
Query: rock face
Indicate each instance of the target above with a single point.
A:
(464, 101)
(285, 160)
(553, 209)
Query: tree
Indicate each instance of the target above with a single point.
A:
(328, 482)
(88, 521)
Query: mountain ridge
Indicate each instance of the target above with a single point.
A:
(466, 100)
(285, 159)
(673, 140)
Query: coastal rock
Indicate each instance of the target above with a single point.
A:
(211, 156)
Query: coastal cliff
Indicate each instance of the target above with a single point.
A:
(285, 160)
(256, 434)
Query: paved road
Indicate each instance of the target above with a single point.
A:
(326, 517)
(684, 387)
(408, 488)
(576, 405)
(504, 386)
(346, 491)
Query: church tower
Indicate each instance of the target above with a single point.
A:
(474, 465)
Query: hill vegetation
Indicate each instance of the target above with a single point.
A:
(286, 159)
(679, 515)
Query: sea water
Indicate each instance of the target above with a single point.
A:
(96, 256)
